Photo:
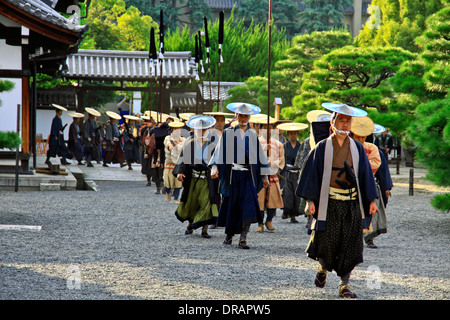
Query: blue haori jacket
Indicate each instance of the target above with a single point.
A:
(315, 179)
(232, 148)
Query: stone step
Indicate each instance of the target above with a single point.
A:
(49, 186)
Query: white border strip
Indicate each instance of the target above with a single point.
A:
(19, 227)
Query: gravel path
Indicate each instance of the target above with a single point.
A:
(124, 242)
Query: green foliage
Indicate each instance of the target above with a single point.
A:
(322, 15)
(245, 50)
(286, 76)
(5, 85)
(175, 16)
(442, 202)
(355, 76)
(256, 11)
(431, 135)
(424, 82)
(401, 22)
(113, 26)
(435, 42)
(9, 140)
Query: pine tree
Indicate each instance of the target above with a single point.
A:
(283, 13)
(322, 15)
(430, 131)
(358, 77)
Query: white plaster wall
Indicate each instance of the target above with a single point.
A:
(10, 58)
(44, 122)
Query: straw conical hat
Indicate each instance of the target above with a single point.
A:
(57, 106)
(185, 116)
(130, 117)
(379, 128)
(344, 109)
(113, 115)
(176, 124)
(312, 115)
(243, 108)
(263, 120)
(362, 126)
(292, 126)
(201, 122)
(76, 115)
(93, 112)
(225, 114)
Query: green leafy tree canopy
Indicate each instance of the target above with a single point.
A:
(322, 15)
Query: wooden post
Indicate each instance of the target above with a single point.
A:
(411, 182)
(269, 26)
(25, 115)
(277, 104)
(16, 181)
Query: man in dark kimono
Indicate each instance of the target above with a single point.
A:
(242, 167)
(384, 142)
(338, 184)
(158, 157)
(113, 150)
(56, 144)
(74, 143)
(130, 141)
(291, 173)
(89, 136)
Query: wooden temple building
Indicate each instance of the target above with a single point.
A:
(34, 38)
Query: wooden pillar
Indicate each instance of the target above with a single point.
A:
(25, 92)
(80, 99)
(25, 115)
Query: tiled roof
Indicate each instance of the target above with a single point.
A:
(128, 65)
(45, 13)
(187, 101)
(213, 89)
(222, 4)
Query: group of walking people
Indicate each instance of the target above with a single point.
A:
(335, 176)
(235, 173)
(90, 140)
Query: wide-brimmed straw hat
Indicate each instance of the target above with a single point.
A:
(379, 128)
(344, 109)
(243, 108)
(113, 115)
(176, 124)
(263, 120)
(201, 122)
(254, 118)
(213, 114)
(292, 126)
(130, 117)
(156, 116)
(312, 115)
(57, 106)
(76, 115)
(186, 116)
(93, 112)
(362, 126)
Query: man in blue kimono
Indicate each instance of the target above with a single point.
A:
(338, 184)
(56, 144)
(241, 165)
